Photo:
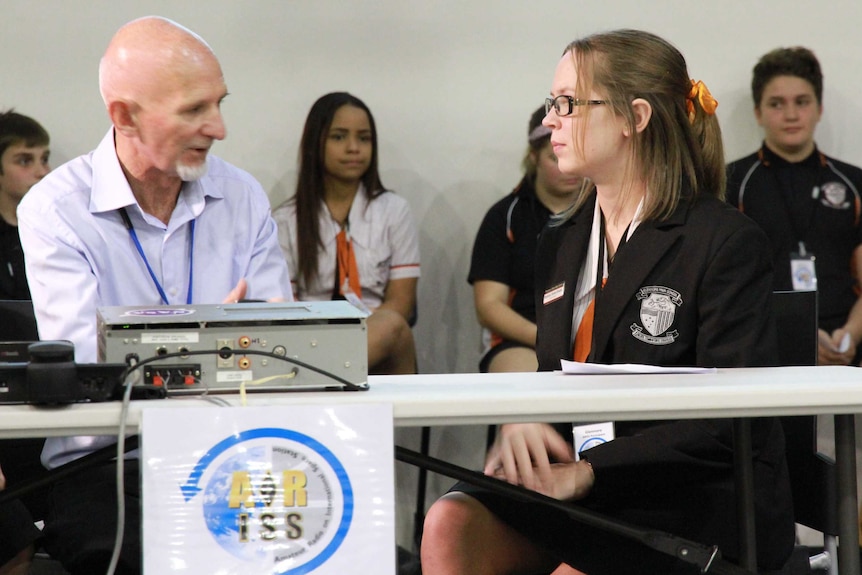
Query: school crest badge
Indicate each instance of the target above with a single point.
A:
(658, 309)
(834, 196)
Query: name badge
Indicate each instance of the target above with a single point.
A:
(802, 271)
(590, 435)
(554, 293)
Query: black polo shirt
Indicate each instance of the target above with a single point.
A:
(13, 279)
(505, 246)
(815, 201)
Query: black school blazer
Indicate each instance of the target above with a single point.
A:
(693, 290)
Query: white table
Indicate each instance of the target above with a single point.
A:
(451, 399)
(430, 400)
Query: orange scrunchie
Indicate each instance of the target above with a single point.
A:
(701, 92)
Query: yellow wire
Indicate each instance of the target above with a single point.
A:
(242, 394)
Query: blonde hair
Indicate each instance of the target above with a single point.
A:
(674, 157)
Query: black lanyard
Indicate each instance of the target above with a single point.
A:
(600, 266)
(140, 248)
(786, 195)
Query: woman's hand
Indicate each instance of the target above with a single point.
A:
(567, 481)
(834, 349)
(522, 455)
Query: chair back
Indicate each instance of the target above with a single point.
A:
(812, 475)
(17, 329)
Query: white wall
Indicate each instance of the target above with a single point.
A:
(451, 84)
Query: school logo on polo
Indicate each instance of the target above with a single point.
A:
(275, 498)
(835, 196)
(658, 309)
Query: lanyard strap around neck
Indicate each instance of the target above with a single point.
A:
(140, 249)
(600, 266)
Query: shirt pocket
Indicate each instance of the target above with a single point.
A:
(374, 269)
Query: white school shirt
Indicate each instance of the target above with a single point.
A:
(586, 287)
(385, 245)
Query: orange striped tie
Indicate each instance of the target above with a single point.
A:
(584, 335)
(348, 272)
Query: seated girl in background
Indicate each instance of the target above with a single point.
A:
(501, 270)
(347, 237)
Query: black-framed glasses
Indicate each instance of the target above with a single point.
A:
(565, 105)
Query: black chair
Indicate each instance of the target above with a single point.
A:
(20, 457)
(812, 475)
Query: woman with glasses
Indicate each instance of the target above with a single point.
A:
(501, 269)
(345, 236)
(648, 266)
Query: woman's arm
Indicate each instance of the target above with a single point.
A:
(400, 296)
(492, 307)
(852, 326)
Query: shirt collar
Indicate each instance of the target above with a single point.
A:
(359, 205)
(772, 159)
(111, 190)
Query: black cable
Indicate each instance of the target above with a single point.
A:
(225, 353)
(101, 455)
(707, 558)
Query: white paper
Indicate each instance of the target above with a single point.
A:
(578, 368)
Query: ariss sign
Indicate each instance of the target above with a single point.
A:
(267, 499)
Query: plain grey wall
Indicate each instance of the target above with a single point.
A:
(451, 84)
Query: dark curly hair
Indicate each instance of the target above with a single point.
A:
(797, 61)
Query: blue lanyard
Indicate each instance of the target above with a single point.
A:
(140, 248)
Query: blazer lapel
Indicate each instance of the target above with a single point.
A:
(647, 246)
(570, 251)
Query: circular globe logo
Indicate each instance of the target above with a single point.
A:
(274, 498)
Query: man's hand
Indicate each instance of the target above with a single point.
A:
(237, 293)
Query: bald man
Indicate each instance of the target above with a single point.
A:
(149, 217)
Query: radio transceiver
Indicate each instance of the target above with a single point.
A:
(255, 346)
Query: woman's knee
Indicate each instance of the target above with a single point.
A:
(450, 517)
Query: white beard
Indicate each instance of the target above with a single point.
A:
(191, 173)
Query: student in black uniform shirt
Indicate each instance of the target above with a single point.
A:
(808, 203)
(24, 157)
(23, 162)
(672, 276)
(502, 264)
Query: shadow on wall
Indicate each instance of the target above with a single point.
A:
(739, 129)
(448, 334)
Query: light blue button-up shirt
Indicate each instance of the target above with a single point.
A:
(80, 255)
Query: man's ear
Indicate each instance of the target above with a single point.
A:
(642, 111)
(123, 117)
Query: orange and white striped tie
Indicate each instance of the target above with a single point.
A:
(584, 335)
(348, 272)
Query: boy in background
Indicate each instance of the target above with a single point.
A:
(808, 203)
(24, 155)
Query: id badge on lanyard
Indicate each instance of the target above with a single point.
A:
(588, 436)
(802, 270)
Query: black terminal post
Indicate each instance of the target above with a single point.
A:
(51, 374)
